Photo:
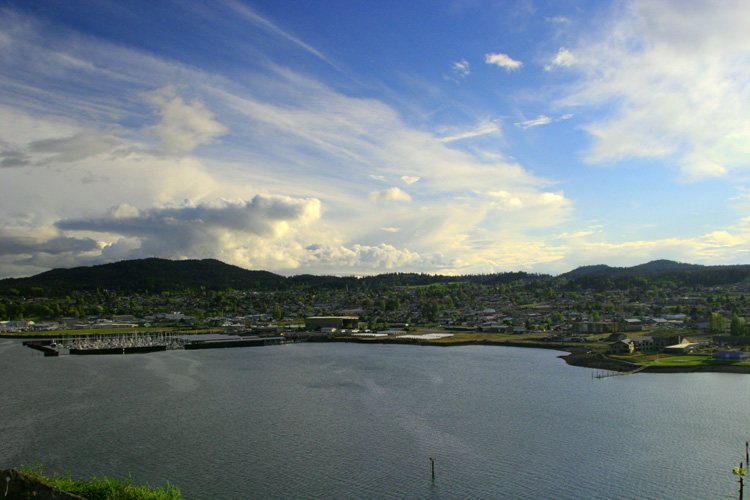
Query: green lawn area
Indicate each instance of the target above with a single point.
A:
(682, 360)
(106, 488)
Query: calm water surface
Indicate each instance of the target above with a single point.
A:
(351, 421)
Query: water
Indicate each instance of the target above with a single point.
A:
(345, 421)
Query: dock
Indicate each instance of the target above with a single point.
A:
(618, 374)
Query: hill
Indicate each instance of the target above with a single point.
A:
(680, 274)
(153, 275)
(653, 267)
(160, 275)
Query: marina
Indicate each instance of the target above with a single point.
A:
(133, 343)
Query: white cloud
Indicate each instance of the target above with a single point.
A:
(676, 78)
(183, 126)
(563, 59)
(358, 257)
(503, 61)
(488, 127)
(507, 200)
(236, 231)
(461, 68)
(390, 194)
(542, 120)
(293, 138)
(248, 14)
(725, 246)
(558, 20)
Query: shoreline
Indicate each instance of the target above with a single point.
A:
(580, 356)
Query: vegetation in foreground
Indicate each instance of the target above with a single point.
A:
(105, 488)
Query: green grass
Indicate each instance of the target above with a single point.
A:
(105, 488)
(683, 360)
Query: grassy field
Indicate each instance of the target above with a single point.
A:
(105, 488)
(681, 360)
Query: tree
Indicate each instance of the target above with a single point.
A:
(737, 327)
(277, 314)
(717, 323)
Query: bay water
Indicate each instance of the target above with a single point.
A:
(354, 421)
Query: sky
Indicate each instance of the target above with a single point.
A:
(352, 137)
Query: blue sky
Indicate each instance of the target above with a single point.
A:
(352, 137)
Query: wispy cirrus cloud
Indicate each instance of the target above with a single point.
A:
(488, 127)
(541, 120)
(248, 14)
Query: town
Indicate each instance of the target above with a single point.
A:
(650, 317)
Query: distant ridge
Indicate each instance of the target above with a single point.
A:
(603, 276)
(161, 275)
(653, 267)
(150, 274)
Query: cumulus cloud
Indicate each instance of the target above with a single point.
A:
(292, 134)
(20, 245)
(183, 126)
(507, 200)
(201, 230)
(376, 257)
(564, 58)
(390, 194)
(503, 61)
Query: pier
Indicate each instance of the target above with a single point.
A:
(619, 374)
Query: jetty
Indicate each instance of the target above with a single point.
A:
(619, 374)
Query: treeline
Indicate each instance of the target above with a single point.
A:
(707, 277)
(156, 276)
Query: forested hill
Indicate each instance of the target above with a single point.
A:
(152, 275)
(159, 275)
(650, 268)
(659, 271)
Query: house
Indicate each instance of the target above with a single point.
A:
(593, 326)
(633, 324)
(643, 344)
(683, 347)
(624, 346)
